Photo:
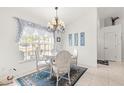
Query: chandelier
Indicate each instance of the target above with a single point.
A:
(56, 24)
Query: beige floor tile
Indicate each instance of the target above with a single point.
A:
(112, 75)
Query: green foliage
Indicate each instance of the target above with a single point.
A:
(30, 39)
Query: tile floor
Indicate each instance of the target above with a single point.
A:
(112, 75)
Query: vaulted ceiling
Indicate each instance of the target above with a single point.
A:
(71, 14)
(67, 14)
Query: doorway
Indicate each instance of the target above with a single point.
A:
(110, 43)
(112, 46)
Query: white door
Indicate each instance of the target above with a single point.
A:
(112, 45)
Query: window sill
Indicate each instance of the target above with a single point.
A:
(25, 61)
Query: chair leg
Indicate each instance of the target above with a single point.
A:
(69, 78)
(51, 72)
(57, 80)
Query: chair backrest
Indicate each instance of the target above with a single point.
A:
(37, 54)
(63, 60)
(38, 57)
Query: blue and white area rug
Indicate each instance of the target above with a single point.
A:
(42, 78)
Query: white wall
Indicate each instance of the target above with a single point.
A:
(107, 22)
(122, 23)
(8, 47)
(87, 55)
(100, 43)
(100, 23)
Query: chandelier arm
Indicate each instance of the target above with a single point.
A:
(56, 24)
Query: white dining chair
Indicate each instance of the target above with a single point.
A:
(62, 66)
(74, 57)
(42, 63)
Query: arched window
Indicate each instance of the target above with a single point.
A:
(30, 36)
